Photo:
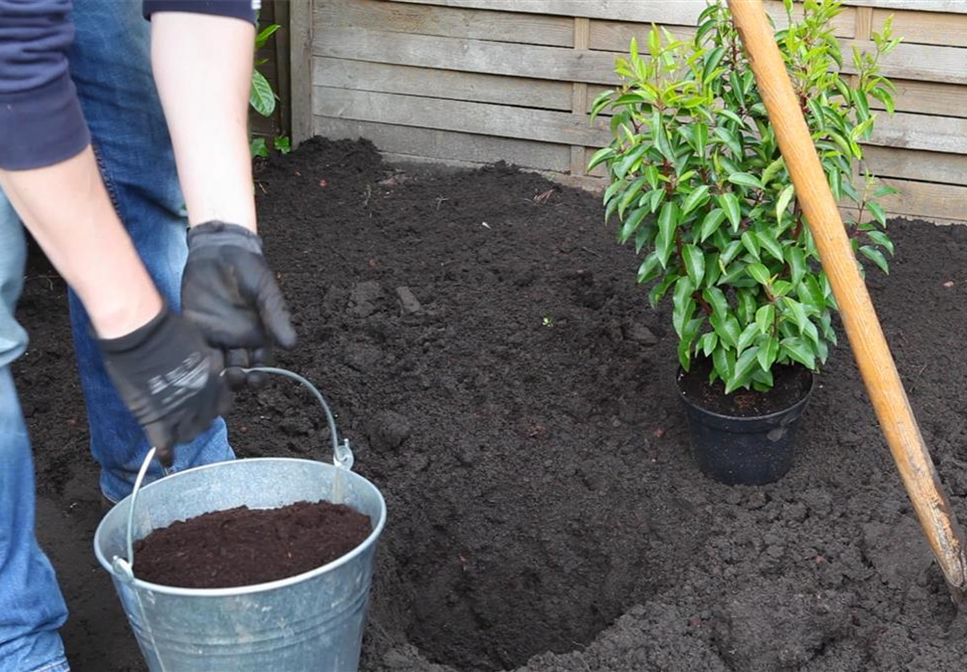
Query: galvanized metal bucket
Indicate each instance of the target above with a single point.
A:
(310, 622)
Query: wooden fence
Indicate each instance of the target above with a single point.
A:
(467, 82)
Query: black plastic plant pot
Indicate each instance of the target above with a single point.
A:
(744, 450)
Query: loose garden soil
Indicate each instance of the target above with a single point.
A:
(242, 547)
(510, 391)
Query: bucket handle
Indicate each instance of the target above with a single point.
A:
(342, 457)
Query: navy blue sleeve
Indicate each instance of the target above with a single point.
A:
(40, 119)
(239, 9)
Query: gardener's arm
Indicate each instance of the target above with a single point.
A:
(163, 370)
(203, 69)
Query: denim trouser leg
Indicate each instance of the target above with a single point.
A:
(110, 65)
(31, 606)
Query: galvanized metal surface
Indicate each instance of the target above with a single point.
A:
(310, 622)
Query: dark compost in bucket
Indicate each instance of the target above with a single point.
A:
(245, 547)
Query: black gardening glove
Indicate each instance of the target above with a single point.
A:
(229, 291)
(169, 378)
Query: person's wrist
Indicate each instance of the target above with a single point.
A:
(216, 233)
(115, 315)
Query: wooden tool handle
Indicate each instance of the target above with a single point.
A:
(866, 337)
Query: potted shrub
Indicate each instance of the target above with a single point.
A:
(699, 187)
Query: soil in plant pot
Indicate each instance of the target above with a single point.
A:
(791, 383)
(544, 510)
(244, 547)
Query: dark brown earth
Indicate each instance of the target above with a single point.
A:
(242, 547)
(544, 512)
(790, 384)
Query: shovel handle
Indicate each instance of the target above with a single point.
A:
(866, 337)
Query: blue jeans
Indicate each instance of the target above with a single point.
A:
(111, 67)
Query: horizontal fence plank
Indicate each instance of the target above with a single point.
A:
(925, 27)
(908, 61)
(449, 145)
(917, 165)
(616, 35)
(458, 115)
(947, 100)
(923, 62)
(434, 83)
(951, 6)
(517, 60)
(926, 200)
(914, 131)
(680, 12)
(397, 17)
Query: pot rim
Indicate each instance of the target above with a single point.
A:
(691, 402)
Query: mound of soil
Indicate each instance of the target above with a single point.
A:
(243, 547)
(508, 388)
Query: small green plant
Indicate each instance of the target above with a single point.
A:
(699, 185)
(548, 321)
(263, 98)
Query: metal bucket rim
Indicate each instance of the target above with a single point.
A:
(138, 584)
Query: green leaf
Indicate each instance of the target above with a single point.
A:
(684, 304)
(631, 224)
(650, 269)
(257, 147)
(261, 97)
(711, 62)
(744, 368)
(701, 139)
(667, 222)
(266, 33)
(797, 311)
(782, 204)
(881, 239)
(689, 332)
(798, 350)
(600, 156)
(723, 364)
(730, 141)
(876, 257)
(745, 180)
(767, 240)
(729, 253)
(772, 170)
(659, 290)
(812, 294)
(836, 184)
(747, 305)
(694, 199)
(781, 288)
(711, 223)
(706, 343)
(751, 243)
(727, 327)
(747, 337)
(765, 317)
(622, 167)
(768, 352)
(282, 144)
(629, 195)
(877, 211)
(759, 273)
(797, 264)
(661, 139)
(694, 261)
(716, 298)
(730, 204)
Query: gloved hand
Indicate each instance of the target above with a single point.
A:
(169, 378)
(229, 291)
